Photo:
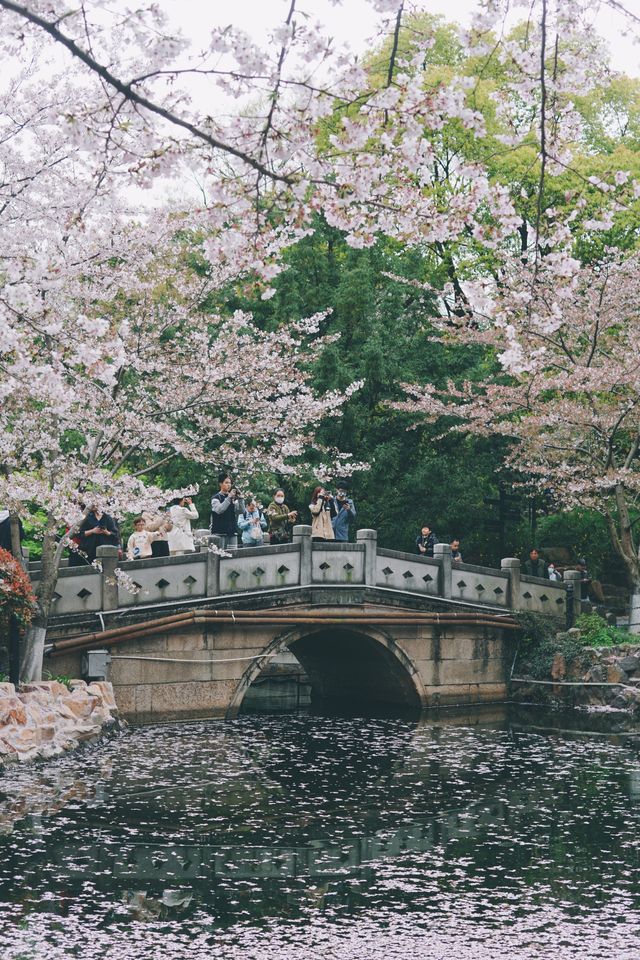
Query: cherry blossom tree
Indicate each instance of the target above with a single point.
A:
(109, 363)
(564, 333)
(567, 393)
(112, 367)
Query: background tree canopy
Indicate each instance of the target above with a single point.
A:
(385, 335)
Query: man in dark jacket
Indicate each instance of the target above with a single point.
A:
(224, 522)
(535, 566)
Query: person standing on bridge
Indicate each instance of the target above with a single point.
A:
(141, 540)
(535, 566)
(223, 512)
(321, 509)
(159, 522)
(182, 512)
(345, 512)
(281, 518)
(426, 541)
(98, 529)
(252, 523)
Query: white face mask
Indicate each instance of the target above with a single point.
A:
(279, 499)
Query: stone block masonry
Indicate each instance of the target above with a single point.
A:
(39, 721)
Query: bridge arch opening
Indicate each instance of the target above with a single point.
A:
(346, 668)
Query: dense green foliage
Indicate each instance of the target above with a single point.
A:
(596, 632)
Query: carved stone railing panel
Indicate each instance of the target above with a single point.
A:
(259, 568)
(406, 572)
(473, 584)
(337, 563)
(78, 590)
(164, 579)
(542, 596)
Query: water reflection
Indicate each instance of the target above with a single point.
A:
(272, 834)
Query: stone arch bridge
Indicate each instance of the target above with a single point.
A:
(368, 625)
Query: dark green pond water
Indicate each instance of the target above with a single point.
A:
(308, 836)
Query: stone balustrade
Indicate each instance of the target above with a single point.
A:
(249, 570)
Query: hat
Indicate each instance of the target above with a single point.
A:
(581, 561)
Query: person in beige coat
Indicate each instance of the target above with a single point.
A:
(160, 524)
(321, 509)
(180, 537)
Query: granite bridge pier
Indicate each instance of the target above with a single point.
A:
(368, 625)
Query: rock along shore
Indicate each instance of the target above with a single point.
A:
(42, 720)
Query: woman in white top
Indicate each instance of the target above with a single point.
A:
(180, 537)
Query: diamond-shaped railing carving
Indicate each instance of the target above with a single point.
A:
(498, 591)
(347, 567)
(560, 600)
(407, 575)
(162, 583)
(138, 586)
(282, 569)
(325, 565)
(527, 595)
(259, 572)
(189, 580)
(479, 588)
(56, 596)
(234, 575)
(461, 584)
(84, 593)
(427, 578)
(387, 571)
(543, 598)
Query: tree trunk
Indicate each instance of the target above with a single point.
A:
(34, 639)
(634, 609)
(33, 651)
(16, 546)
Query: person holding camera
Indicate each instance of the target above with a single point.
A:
(252, 523)
(281, 518)
(158, 522)
(345, 512)
(225, 505)
(181, 512)
(322, 509)
(98, 529)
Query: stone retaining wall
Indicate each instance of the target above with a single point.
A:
(46, 719)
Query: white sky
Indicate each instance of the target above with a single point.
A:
(355, 23)
(355, 20)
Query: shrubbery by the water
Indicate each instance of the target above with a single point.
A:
(541, 641)
(596, 632)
